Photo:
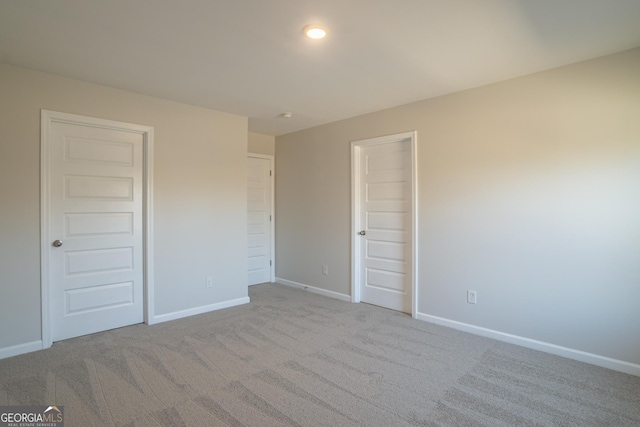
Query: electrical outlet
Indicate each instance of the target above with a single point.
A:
(209, 282)
(325, 270)
(472, 297)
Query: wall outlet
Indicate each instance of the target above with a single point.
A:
(472, 297)
(325, 270)
(209, 282)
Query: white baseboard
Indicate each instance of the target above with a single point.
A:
(198, 310)
(314, 290)
(569, 353)
(20, 349)
(37, 345)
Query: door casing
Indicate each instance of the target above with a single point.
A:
(356, 226)
(272, 274)
(48, 117)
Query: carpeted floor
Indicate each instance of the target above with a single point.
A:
(299, 359)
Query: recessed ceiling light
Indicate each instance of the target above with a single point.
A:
(286, 115)
(315, 31)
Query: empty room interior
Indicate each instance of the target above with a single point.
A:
(294, 212)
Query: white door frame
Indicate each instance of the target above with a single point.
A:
(272, 276)
(46, 119)
(356, 226)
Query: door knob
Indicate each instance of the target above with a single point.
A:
(57, 243)
(362, 233)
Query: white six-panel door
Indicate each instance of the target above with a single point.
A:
(259, 220)
(385, 223)
(96, 228)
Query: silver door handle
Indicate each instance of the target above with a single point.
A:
(57, 243)
(362, 233)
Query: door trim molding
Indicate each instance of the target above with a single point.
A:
(272, 276)
(356, 168)
(48, 117)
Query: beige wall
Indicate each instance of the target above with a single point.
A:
(261, 144)
(528, 194)
(199, 194)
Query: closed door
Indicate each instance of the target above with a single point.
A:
(96, 228)
(386, 225)
(259, 220)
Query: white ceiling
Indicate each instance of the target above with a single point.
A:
(249, 57)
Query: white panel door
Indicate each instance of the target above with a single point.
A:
(259, 220)
(386, 222)
(95, 217)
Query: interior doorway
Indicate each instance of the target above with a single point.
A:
(384, 222)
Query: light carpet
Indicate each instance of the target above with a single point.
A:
(292, 358)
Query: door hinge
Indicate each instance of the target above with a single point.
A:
(270, 263)
(269, 173)
(270, 218)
